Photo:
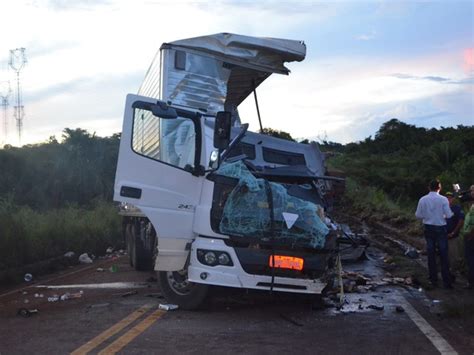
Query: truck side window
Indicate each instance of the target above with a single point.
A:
(171, 141)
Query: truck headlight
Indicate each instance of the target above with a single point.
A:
(210, 258)
(214, 257)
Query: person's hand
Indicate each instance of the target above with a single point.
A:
(450, 235)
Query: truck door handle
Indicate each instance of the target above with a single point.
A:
(132, 192)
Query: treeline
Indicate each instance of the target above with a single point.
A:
(76, 171)
(402, 158)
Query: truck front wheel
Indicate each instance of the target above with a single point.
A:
(178, 290)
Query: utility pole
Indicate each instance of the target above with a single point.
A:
(17, 62)
(5, 93)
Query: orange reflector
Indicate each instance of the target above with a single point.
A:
(286, 262)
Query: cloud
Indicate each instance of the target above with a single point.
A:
(70, 5)
(438, 79)
(366, 37)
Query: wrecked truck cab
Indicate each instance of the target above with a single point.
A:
(199, 226)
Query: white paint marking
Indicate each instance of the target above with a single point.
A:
(290, 219)
(112, 285)
(436, 339)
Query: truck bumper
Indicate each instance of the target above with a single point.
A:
(236, 276)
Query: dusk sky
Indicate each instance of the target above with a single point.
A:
(367, 62)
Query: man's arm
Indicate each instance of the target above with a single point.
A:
(446, 209)
(456, 229)
(419, 210)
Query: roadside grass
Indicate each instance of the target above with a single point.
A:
(28, 236)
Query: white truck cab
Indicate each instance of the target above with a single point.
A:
(205, 202)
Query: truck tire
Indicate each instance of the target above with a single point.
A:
(178, 290)
(141, 257)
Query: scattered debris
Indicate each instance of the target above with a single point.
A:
(24, 292)
(99, 269)
(24, 312)
(168, 306)
(291, 320)
(129, 293)
(99, 305)
(70, 296)
(54, 298)
(155, 295)
(151, 279)
(436, 307)
(69, 254)
(28, 277)
(399, 309)
(412, 253)
(109, 250)
(85, 259)
(113, 268)
(26, 301)
(376, 307)
(39, 295)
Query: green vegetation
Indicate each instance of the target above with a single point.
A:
(402, 159)
(29, 236)
(57, 197)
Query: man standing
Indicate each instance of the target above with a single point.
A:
(433, 209)
(453, 226)
(468, 235)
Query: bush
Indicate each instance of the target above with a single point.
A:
(28, 236)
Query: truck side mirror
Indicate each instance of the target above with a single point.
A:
(222, 130)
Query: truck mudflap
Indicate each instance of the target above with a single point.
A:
(240, 273)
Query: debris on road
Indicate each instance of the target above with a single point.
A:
(70, 296)
(99, 305)
(24, 312)
(155, 295)
(109, 250)
(85, 259)
(399, 309)
(39, 295)
(113, 268)
(412, 253)
(129, 293)
(376, 307)
(69, 254)
(28, 277)
(168, 306)
(54, 298)
(99, 269)
(291, 320)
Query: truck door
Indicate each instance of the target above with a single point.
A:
(158, 171)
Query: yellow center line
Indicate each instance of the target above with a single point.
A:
(91, 344)
(121, 342)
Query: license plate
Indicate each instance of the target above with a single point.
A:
(286, 262)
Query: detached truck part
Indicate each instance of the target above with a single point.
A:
(204, 201)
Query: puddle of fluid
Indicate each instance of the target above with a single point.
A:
(109, 285)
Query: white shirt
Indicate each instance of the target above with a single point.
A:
(433, 209)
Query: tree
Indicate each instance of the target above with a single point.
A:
(278, 134)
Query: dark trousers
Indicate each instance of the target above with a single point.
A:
(437, 238)
(469, 252)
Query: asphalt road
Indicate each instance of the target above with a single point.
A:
(109, 320)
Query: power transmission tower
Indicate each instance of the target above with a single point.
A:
(17, 62)
(5, 93)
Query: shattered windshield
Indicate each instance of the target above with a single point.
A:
(248, 211)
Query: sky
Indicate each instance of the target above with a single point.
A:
(366, 62)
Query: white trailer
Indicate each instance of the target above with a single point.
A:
(176, 192)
